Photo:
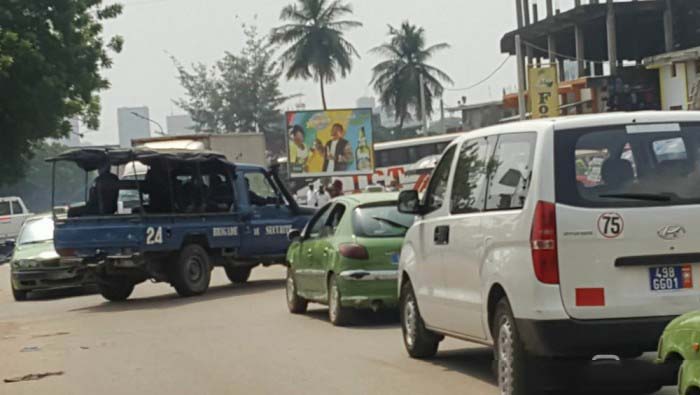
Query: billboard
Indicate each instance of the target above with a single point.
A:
(544, 92)
(330, 143)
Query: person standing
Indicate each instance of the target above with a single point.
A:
(338, 151)
(323, 197)
(311, 196)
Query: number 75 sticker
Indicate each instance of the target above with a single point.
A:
(611, 225)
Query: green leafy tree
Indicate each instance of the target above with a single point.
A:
(317, 47)
(240, 93)
(51, 55)
(35, 187)
(397, 79)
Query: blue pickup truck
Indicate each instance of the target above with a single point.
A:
(171, 216)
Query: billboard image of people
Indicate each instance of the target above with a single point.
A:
(330, 143)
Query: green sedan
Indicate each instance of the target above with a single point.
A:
(35, 265)
(681, 342)
(347, 256)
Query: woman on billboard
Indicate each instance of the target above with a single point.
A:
(298, 151)
(338, 151)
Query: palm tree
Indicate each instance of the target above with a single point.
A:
(397, 79)
(317, 48)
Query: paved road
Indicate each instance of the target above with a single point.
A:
(233, 340)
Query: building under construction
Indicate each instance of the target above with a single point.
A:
(609, 54)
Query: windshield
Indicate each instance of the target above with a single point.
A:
(36, 231)
(627, 166)
(381, 221)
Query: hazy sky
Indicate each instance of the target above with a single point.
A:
(201, 31)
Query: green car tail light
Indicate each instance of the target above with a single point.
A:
(353, 251)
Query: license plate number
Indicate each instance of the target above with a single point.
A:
(669, 278)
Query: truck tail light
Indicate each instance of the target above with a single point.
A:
(66, 252)
(353, 251)
(543, 241)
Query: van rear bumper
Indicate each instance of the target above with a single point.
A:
(622, 337)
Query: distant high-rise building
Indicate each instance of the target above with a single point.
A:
(133, 124)
(179, 124)
(366, 102)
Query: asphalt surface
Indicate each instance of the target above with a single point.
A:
(233, 340)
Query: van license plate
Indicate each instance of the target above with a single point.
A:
(669, 278)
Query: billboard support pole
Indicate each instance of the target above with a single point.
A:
(422, 103)
(521, 78)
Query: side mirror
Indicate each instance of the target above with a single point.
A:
(409, 202)
(294, 235)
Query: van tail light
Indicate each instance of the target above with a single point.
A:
(543, 241)
(353, 251)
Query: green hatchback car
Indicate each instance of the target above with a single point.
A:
(347, 256)
(681, 342)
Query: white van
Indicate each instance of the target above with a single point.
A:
(570, 237)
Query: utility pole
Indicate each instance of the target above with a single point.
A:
(521, 78)
(422, 104)
(137, 115)
(442, 116)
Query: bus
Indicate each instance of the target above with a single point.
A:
(401, 164)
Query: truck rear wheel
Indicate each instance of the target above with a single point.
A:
(238, 274)
(115, 289)
(192, 272)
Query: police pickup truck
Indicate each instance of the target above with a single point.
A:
(194, 210)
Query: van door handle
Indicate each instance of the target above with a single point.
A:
(442, 235)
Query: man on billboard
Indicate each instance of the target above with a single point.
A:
(338, 151)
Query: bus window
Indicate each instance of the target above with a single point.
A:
(426, 150)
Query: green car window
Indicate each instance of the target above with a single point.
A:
(381, 221)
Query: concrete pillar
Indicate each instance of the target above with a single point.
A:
(580, 54)
(550, 8)
(668, 27)
(535, 14)
(552, 47)
(519, 13)
(612, 38)
(526, 12)
(577, 3)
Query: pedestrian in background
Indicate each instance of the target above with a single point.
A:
(336, 189)
(323, 197)
(311, 197)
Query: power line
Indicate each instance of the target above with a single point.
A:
(560, 55)
(483, 80)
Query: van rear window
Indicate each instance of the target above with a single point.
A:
(641, 165)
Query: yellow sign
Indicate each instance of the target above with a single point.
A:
(544, 92)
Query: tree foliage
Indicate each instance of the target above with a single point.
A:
(397, 79)
(240, 93)
(35, 188)
(51, 55)
(317, 47)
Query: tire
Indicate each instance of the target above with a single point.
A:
(238, 274)
(20, 296)
(337, 314)
(295, 303)
(115, 289)
(191, 273)
(693, 391)
(511, 358)
(419, 342)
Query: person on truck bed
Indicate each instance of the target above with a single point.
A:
(104, 193)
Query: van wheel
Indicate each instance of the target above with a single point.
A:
(419, 341)
(510, 355)
(238, 274)
(337, 314)
(295, 303)
(192, 272)
(19, 296)
(115, 289)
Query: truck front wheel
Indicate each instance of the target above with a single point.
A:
(192, 271)
(238, 274)
(115, 289)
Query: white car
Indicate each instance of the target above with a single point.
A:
(514, 246)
